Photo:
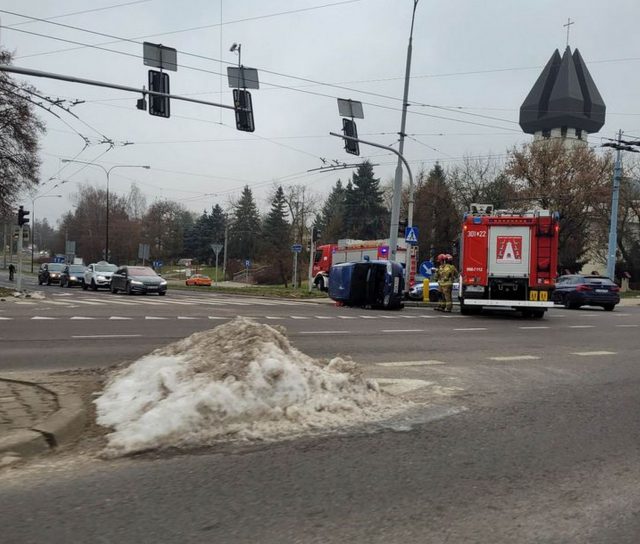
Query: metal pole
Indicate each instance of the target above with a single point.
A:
(217, 253)
(295, 269)
(224, 260)
(613, 226)
(33, 237)
(397, 183)
(19, 248)
(312, 251)
(106, 244)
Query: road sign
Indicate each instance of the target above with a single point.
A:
(425, 269)
(159, 56)
(296, 248)
(247, 263)
(217, 248)
(350, 108)
(411, 235)
(157, 264)
(143, 251)
(241, 77)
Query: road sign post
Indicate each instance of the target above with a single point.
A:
(216, 249)
(296, 248)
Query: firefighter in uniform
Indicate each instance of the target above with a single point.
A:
(445, 276)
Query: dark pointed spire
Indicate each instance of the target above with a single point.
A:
(564, 95)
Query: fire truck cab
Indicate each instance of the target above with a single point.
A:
(508, 259)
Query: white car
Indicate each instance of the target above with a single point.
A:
(98, 275)
(416, 292)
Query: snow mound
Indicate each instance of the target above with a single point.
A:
(240, 381)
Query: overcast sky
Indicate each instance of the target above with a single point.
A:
(476, 59)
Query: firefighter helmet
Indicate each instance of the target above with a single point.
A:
(441, 257)
(448, 257)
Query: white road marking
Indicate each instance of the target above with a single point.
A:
(324, 332)
(581, 326)
(26, 303)
(58, 303)
(515, 358)
(150, 317)
(401, 386)
(593, 353)
(402, 330)
(81, 317)
(149, 303)
(115, 317)
(390, 316)
(428, 316)
(368, 316)
(187, 317)
(88, 302)
(413, 363)
(273, 317)
(41, 317)
(472, 329)
(627, 326)
(298, 317)
(107, 336)
(409, 316)
(121, 302)
(324, 317)
(533, 328)
(343, 317)
(6, 318)
(215, 317)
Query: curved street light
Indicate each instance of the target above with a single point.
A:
(108, 173)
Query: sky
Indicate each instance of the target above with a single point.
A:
(473, 64)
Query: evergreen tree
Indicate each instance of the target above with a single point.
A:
(277, 235)
(435, 215)
(330, 221)
(244, 231)
(365, 214)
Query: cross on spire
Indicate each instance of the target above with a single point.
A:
(568, 25)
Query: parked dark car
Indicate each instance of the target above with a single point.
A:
(374, 284)
(73, 274)
(137, 279)
(50, 273)
(576, 290)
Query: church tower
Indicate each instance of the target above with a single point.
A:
(564, 101)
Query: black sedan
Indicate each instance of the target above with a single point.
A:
(73, 274)
(576, 290)
(137, 279)
(50, 273)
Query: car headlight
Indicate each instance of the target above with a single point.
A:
(136, 282)
(163, 282)
(102, 278)
(72, 278)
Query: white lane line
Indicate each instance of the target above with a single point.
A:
(81, 317)
(149, 303)
(187, 317)
(593, 353)
(273, 317)
(58, 303)
(413, 363)
(472, 329)
(298, 317)
(215, 317)
(402, 330)
(178, 302)
(41, 317)
(324, 332)
(347, 317)
(390, 316)
(6, 318)
(120, 302)
(409, 316)
(25, 303)
(401, 386)
(515, 358)
(151, 317)
(324, 317)
(107, 336)
(368, 316)
(117, 318)
(428, 316)
(88, 302)
(533, 328)
(581, 326)
(627, 326)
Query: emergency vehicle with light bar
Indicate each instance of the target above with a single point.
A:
(348, 250)
(508, 259)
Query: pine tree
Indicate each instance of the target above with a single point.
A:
(330, 221)
(245, 227)
(365, 214)
(277, 235)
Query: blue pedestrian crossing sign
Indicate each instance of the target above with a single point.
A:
(411, 235)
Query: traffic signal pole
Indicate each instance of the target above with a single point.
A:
(393, 240)
(613, 226)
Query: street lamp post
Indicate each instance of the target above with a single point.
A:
(33, 218)
(108, 174)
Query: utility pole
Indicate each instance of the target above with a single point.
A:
(613, 225)
(397, 183)
(224, 261)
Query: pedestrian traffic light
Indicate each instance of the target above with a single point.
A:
(244, 110)
(315, 234)
(349, 129)
(22, 216)
(402, 228)
(158, 83)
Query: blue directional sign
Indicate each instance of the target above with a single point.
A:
(247, 263)
(425, 269)
(296, 248)
(411, 235)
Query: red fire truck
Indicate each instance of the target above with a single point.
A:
(349, 250)
(508, 259)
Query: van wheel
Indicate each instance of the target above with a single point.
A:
(609, 307)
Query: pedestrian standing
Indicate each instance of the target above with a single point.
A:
(12, 271)
(438, 276)
(447, 274)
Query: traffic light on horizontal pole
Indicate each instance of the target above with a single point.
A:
(159, 83)
(349, 129)
(244, 110)
(22, 216)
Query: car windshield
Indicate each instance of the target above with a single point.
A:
(106, 268)
(77, 268)
(141, 271)
(56, 267)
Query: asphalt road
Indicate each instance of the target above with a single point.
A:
(523, 431)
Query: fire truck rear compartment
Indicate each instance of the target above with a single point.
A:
(508, 288)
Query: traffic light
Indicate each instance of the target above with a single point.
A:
(22, 216)
(349, 129)
(244, 110)
(402, 228)
(158, 83)
(315, 234)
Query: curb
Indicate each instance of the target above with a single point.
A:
(61, 427)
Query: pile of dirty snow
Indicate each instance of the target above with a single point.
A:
(241, 380)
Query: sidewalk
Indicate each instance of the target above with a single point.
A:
(40, 411)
